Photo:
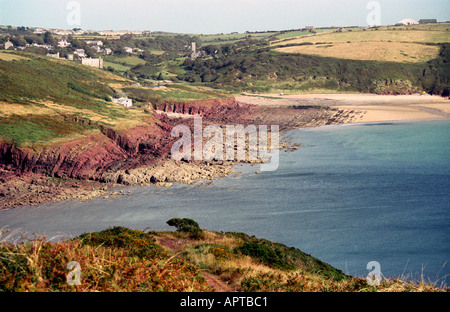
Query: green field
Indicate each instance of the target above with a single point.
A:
(116, 66)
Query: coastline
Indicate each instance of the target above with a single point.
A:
(346, 109)
(364, 108)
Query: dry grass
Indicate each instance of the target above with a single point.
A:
(128, 260)
(8, 56)
(412, 36)
(373, 51)
(41, 266)
(213, 253)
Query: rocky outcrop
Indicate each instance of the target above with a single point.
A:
(140, 155)
(91, 156)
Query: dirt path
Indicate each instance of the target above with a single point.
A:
(177, 245)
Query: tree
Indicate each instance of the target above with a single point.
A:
(49, 39)
(186, 226)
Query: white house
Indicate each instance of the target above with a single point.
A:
(80, 52)
(98, 43)
(407, 22)
(128, 49)
(96, 48)
(124, 101)
(108, 51)
(93, 62)
(8, 44)
(63, 43)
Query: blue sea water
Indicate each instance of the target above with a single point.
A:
(349, 195)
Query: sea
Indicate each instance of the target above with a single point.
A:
(351, 194)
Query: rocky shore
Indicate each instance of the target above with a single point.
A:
(94, 166)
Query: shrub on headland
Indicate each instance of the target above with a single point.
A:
(126, 260)
(186, 226)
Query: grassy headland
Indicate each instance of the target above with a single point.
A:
(190, 259)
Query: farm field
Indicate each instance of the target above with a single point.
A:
(388, 44)
(417, 36)
(370, 51)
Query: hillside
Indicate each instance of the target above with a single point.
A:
(61, 136)
(385, 60)
(192, 259)
(392, 59)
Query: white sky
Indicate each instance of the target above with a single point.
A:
(213, 16)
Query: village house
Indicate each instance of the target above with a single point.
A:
(96, 48)
(46, 46)
(56, 55)
(80, 52)
(8, 44)
(128, 50)
(92, 62)
(108, 51)
(428, 21)
(407, 22)
(63, 43)
(97, 43)
(123, 101)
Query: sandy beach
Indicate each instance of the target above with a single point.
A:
(364, 107)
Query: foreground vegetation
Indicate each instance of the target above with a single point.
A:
(122, 259)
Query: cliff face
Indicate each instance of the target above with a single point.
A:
(95, 157)
(218, 111)
(110, 150)
(91, 156)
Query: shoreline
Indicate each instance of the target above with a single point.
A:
(364, 107)
(41, 189)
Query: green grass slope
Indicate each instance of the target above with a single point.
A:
(119, 259)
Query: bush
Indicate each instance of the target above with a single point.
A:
(138, 243)
(186, 226)
(266, 253)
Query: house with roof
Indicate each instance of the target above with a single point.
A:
(428, 21)
(123, 101)
(407, 22)
(8, 44)
(80, 52)
(92, 62)
(63, 43)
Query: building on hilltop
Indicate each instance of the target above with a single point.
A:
(194, 53)
(8, 44)
(63, 43)
(93, 62)
(56, 55)
(123, 101)
(80, 52)
(407, 22)
(428, 21)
